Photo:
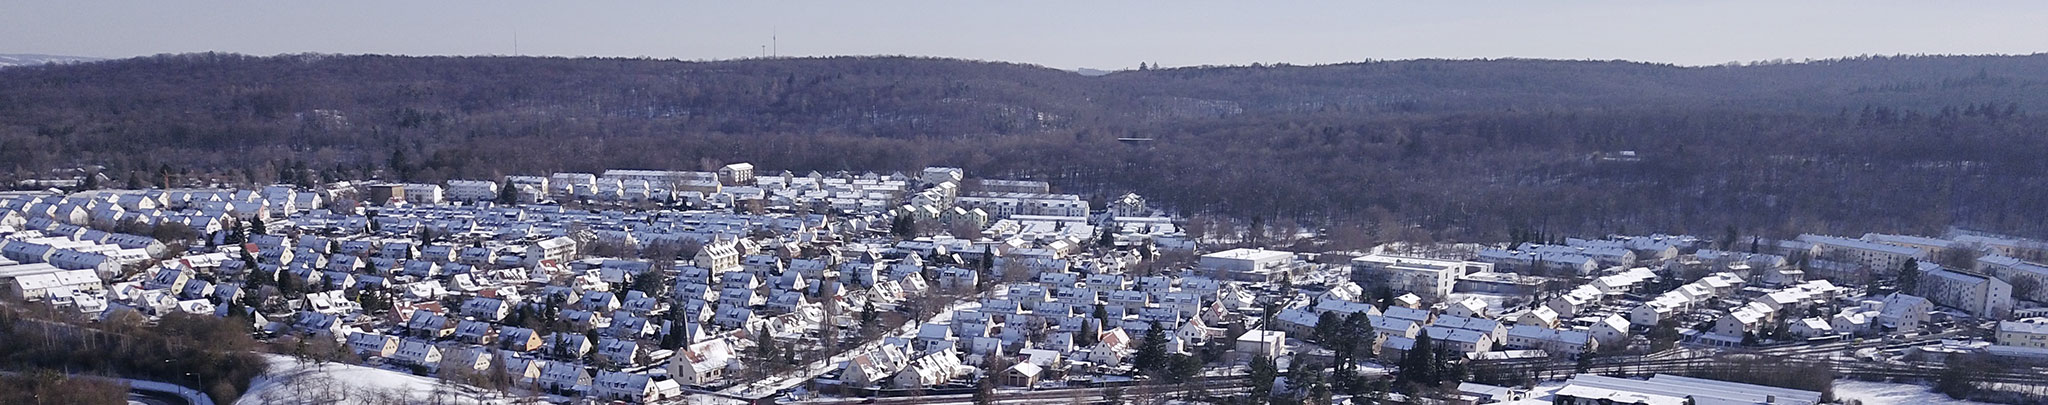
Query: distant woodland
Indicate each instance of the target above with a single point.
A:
(1372, 151)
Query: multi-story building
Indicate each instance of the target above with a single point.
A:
(719, 257)
(1004, 205)
(557, 250)
(2029, 333)
(737, 174)
(1877, 256)
(1928, 247)
(1424, 277)
(1983, 296)
(571, 184)
(2017, 272)
(472, 190)
(423, 193)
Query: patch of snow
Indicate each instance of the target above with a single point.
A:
(291, 381)
(8, 60)
(1884, 393)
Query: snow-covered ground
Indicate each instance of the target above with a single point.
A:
(1884, 393)
(290, 381)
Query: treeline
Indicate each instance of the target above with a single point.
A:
(214, 355)
(51, 387)
(1371, 151)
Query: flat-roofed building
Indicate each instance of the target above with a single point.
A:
(1430, 278)
(1248, 264)
(1661, 389)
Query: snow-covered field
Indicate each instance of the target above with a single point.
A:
(290, 381)
(1884, 393)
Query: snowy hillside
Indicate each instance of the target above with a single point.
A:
(22, 59)
(290, 381)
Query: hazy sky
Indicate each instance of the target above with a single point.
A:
(1063, 34)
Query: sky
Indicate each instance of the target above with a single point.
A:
(1060, 34)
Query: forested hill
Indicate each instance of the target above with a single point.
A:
(900, 97)
(1457, 147)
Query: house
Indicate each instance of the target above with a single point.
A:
(1611, 331)
(173, 279)
(427, 324)
(485, 308)
(1460, 340)
(523, 369)
(1555, 341)
(1741, 321)
(875, 367)
(1904, 312)
(319, 324)
(931, 369)
(372, 345)
(418, 353)
(469, 359)
(472, 332)
(1810, 327)
(623, 352)
(703, 363)
(1471, 308)
(563, 376)
(1110, 347)
(517, 339)
(732, 317)
(567, 345)
(933, 336)
(1022, 374)
(1492, 328)
(631, 387)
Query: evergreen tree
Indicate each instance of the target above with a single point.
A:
(1108, 238)
(904, 227)
(1087, 336)
(256, 228)
(1418, 364)
(1151, 356)
(507, 194)
(988, 257)
(1909, 277)
(1328, 327)
(1263, 374)
(249, 263)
